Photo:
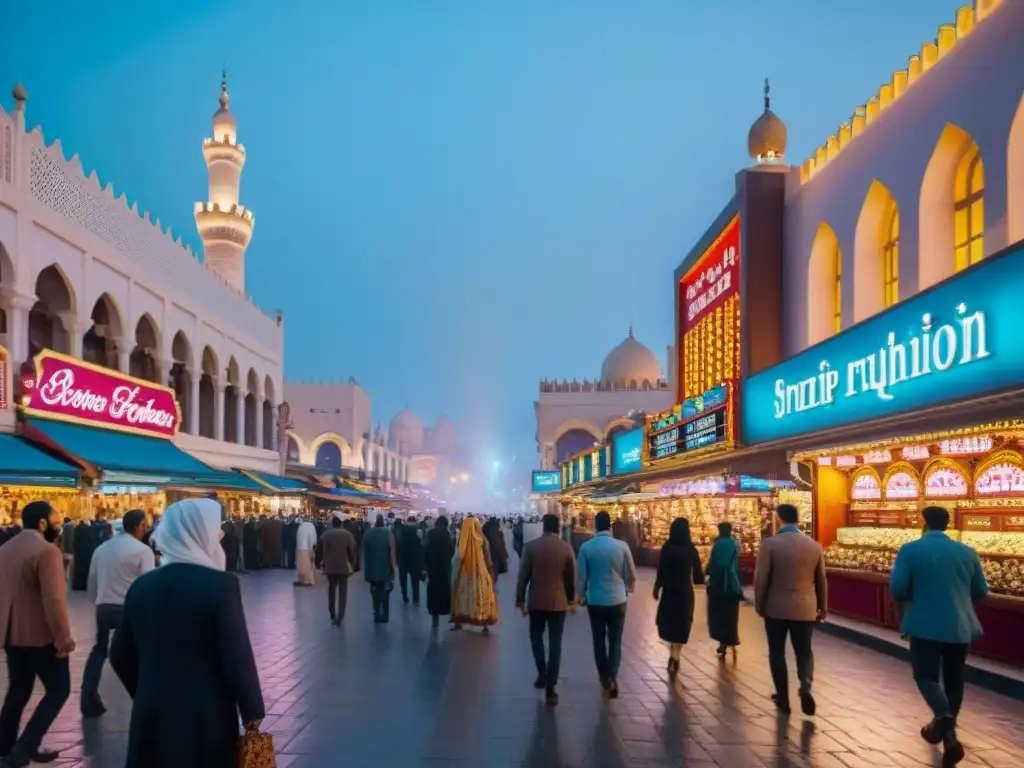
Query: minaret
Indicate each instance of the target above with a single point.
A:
(224, 226)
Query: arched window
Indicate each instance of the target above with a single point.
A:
(891, 255)
(837, 291)
(969, 210)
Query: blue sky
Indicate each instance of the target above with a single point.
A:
(454, 198)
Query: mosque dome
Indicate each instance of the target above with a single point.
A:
(767, 138)
(444, 436)
(223, 120)
(631, 361)
(406, 431)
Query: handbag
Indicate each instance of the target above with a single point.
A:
(256, 749)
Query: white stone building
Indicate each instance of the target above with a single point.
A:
(574, 415)
(84, 273)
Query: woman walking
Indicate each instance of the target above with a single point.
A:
(183, 650)
(678, 570)
(474, 601)
(724, 591)
(437, 561)
(495, 538)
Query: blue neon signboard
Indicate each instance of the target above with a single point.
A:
(958, 340)
(627, 451)
(546, 482)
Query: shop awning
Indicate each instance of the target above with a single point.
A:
(21, 463)
(118, 456)
(283, 485)
(219, 480)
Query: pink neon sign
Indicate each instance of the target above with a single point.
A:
(68, 389)
(865, 487)
(945, 483)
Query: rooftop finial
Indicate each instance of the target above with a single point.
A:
(631, 329)
(767, 95)
(224, 98)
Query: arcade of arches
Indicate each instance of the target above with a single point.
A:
(215, 403)
(572, 442)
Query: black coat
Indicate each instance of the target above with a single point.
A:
(679, 569)
(437, 560)
(184, 656)
(409, 547)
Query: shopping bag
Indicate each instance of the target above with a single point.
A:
(256, 750)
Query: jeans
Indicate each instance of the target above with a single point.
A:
(381, 597)
(554, 621)
(24, 665)
(108, 619)
(606, 623)
(800, 635)
(404, 574)
(929, 658)
(337, 595)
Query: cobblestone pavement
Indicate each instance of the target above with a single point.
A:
(367, 695)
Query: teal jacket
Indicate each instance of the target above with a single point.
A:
(939, 580)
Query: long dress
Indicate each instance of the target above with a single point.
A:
(678, 570)
(229, 542)
(724, 593)
(271, 533)
(437, 560)
(496, 543)
(474, 601)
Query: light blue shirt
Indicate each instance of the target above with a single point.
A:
(606, 570)
(939, 579)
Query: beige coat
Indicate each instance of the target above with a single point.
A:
(33, 593)
(789, 582)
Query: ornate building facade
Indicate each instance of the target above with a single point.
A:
(573, 415)
(83, 273)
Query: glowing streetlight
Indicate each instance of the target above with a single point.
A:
(453, 479)
(465, 477)
(497, 464)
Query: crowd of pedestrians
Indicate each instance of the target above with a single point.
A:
(174, 628)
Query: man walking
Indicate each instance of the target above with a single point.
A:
(607, 575)
(935, 582)
(545, 591)
(410, 558)
(340, 558)
(379, 568)
(791, 594)
(37, 634)
(305, 560)
(115, 566)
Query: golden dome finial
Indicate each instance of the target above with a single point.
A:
(766, 141)
(224, 98)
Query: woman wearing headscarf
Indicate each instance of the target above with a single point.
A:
(496, 543)
(183, 650)
(474, 601)
(437, 561)
(724, 591)
(678, 570)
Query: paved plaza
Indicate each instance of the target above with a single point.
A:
(367, 695)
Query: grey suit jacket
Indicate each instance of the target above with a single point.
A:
(789, 582)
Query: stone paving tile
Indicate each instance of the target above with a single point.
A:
(367, 695)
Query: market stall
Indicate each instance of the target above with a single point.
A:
(868, 501)
(116, 430)
(29, 474)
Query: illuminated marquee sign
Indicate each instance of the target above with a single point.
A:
(709, 322)
(546, 482)
(68, 389)
(698, 422)
(958, 340)
(965, 446)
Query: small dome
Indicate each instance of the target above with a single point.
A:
(631, 361)
(767, 138)
(406, 431)
(223, 118)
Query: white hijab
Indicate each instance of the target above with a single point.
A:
(190, 533)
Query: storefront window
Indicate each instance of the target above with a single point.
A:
(891, 256)
(969, 210)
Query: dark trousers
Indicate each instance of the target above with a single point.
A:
(554, 622)
(606, 623)
(404, 574)
(930, 659)
(24, 665)
(337, 595)
(381, 597)
(108, 619)
(800, 634)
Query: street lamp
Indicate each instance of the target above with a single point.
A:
(465, 477)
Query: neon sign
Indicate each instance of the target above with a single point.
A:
(865, 487)
(1001, 478)
(945, 483)
(901, 485)
(960, 446)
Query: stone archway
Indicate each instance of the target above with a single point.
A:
(328, 457)
(208, 394)
(100, 342)
(572, 442)
(252, 393)
(143, 362)
(232, 393)
(269, 415)
(51, 321)
(179, 378)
